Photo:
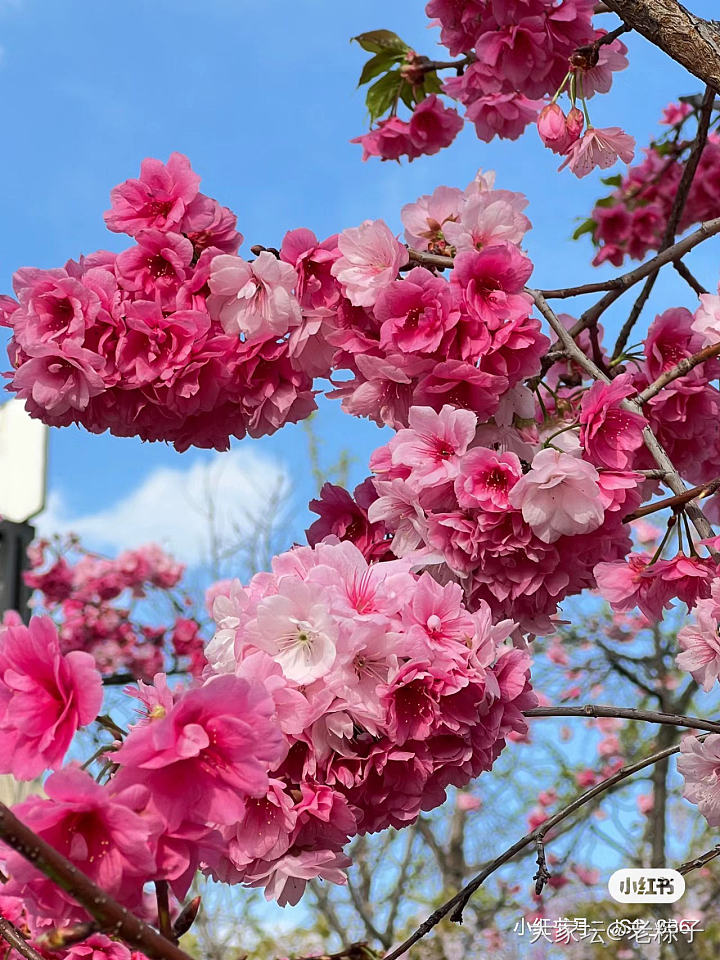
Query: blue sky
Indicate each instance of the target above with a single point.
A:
(263, 99)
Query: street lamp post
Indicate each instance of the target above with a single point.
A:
(23, 472)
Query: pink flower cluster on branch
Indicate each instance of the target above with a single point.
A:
(515, 55)
(97, 605)
(137, 343)
(388, 690)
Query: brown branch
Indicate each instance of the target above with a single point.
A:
(619, 284)
(455, 905)
(678, 206)
(683, 367)
(625, 713)
(686, 38)
(689, 278)
(110, 916)
(673, 478)
(703, 490)
(700, 861)
(10, 934)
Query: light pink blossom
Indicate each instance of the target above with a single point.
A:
(559, 496)
(371, 258)
(598, 148)
(253, 299)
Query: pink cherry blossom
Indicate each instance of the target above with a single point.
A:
(485, 479)
(558, 131)
(45, 697)
(609, 434)
(598, 148)
(699, 763)
(425, 220)
(559, 496)
(158, 199)
(254, 299)
(700, 644)
(58, 379)
(706, 321)
(99, 947)
(416, 312)
(390, 140)
(209, 752)
(371, 258)
(101, 831)
(433, 126)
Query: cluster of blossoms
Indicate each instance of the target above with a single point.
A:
(467, 340)
(332, 705)
(135, 343)
(632, 220)
(516, 55)
(388, 690)
(97, 604)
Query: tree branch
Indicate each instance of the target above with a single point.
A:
(702, 490)
(689, 40)
(679, 370)
(673, 478)
(455, 905)
(110, 916)
(10, 934)
(625, 713)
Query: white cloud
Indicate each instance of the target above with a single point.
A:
(181, 509)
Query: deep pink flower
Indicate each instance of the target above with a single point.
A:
(433, 126)
(598, 148)
(634, 582)
(461, 384)
(207, 224)
(312, 260)
(98, 947)
(416, 312)
(489, 283)
(101, 832)
(390, 140)
(253, 299)
(59, 379)
(371, 258)
(44, 697)
(156, 345)
(207, 754)
(158, 199)
(609, 434)
(485, 479)
(559, 496)
(503, 115)
(156, 267)
(53, 307)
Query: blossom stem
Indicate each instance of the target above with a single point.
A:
(111, 917)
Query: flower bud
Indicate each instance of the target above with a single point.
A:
(552, 127)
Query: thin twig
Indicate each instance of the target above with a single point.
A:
(689, 277)
(672, 503)
(455, 905)
(110, 916)
(675, 214)
(700, 861)
(625, 713)
(679, 370)
(10, 934)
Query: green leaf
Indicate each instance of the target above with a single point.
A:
(614, 181)
(588, 226)
(432, 83)
(383, 94)
(606, 202)
(378, 64)
(381, 41)
(409, 96)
